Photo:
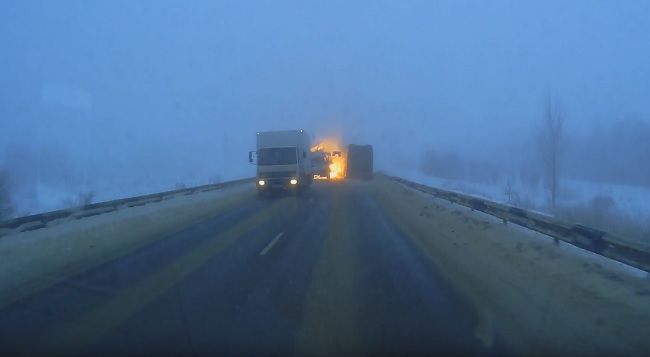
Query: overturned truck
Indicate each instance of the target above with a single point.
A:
(359, 162)
(333, 161)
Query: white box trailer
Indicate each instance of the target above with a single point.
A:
(283, 160)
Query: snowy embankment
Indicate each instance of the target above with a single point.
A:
(618, 209)
(44, 197)
(33, 260)
(540, 297)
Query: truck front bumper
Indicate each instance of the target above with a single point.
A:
(276, 183)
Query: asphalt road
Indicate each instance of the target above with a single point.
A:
(327, 272)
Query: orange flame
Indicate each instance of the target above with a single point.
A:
(336, 156)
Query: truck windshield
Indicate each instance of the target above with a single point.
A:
(276, 156)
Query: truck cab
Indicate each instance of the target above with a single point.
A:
(320, 165)
(283, 160)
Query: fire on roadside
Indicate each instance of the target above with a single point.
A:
(335, 155)
(335, 168)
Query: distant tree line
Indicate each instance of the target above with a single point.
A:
(615, 153)
(454, 165)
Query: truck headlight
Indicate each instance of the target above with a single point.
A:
(293, 181)
(261, 182)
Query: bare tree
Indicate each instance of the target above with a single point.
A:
(80, 201)
(5, 200)
(509, 191)
(551, 140)
(215, 179)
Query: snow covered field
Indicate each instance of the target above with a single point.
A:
(48, 197)
(619, 209)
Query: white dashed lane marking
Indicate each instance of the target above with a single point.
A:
(270, 245)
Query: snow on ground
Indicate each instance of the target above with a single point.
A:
(570, 301)
(633, 201)
(496, 193)
(33, 259)
(626, 211)
(493, 192)
(46, 197)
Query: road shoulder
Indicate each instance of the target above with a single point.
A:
(540, 297)
(32, 261)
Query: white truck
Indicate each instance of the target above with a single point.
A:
(283, 160)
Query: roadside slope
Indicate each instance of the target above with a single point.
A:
(540, 297)
(33, 260)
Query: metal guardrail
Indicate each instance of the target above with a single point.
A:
(40, 220)
(587, 238)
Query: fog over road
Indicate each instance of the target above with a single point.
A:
(485, 177)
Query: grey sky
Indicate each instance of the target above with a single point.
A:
(134, 85)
